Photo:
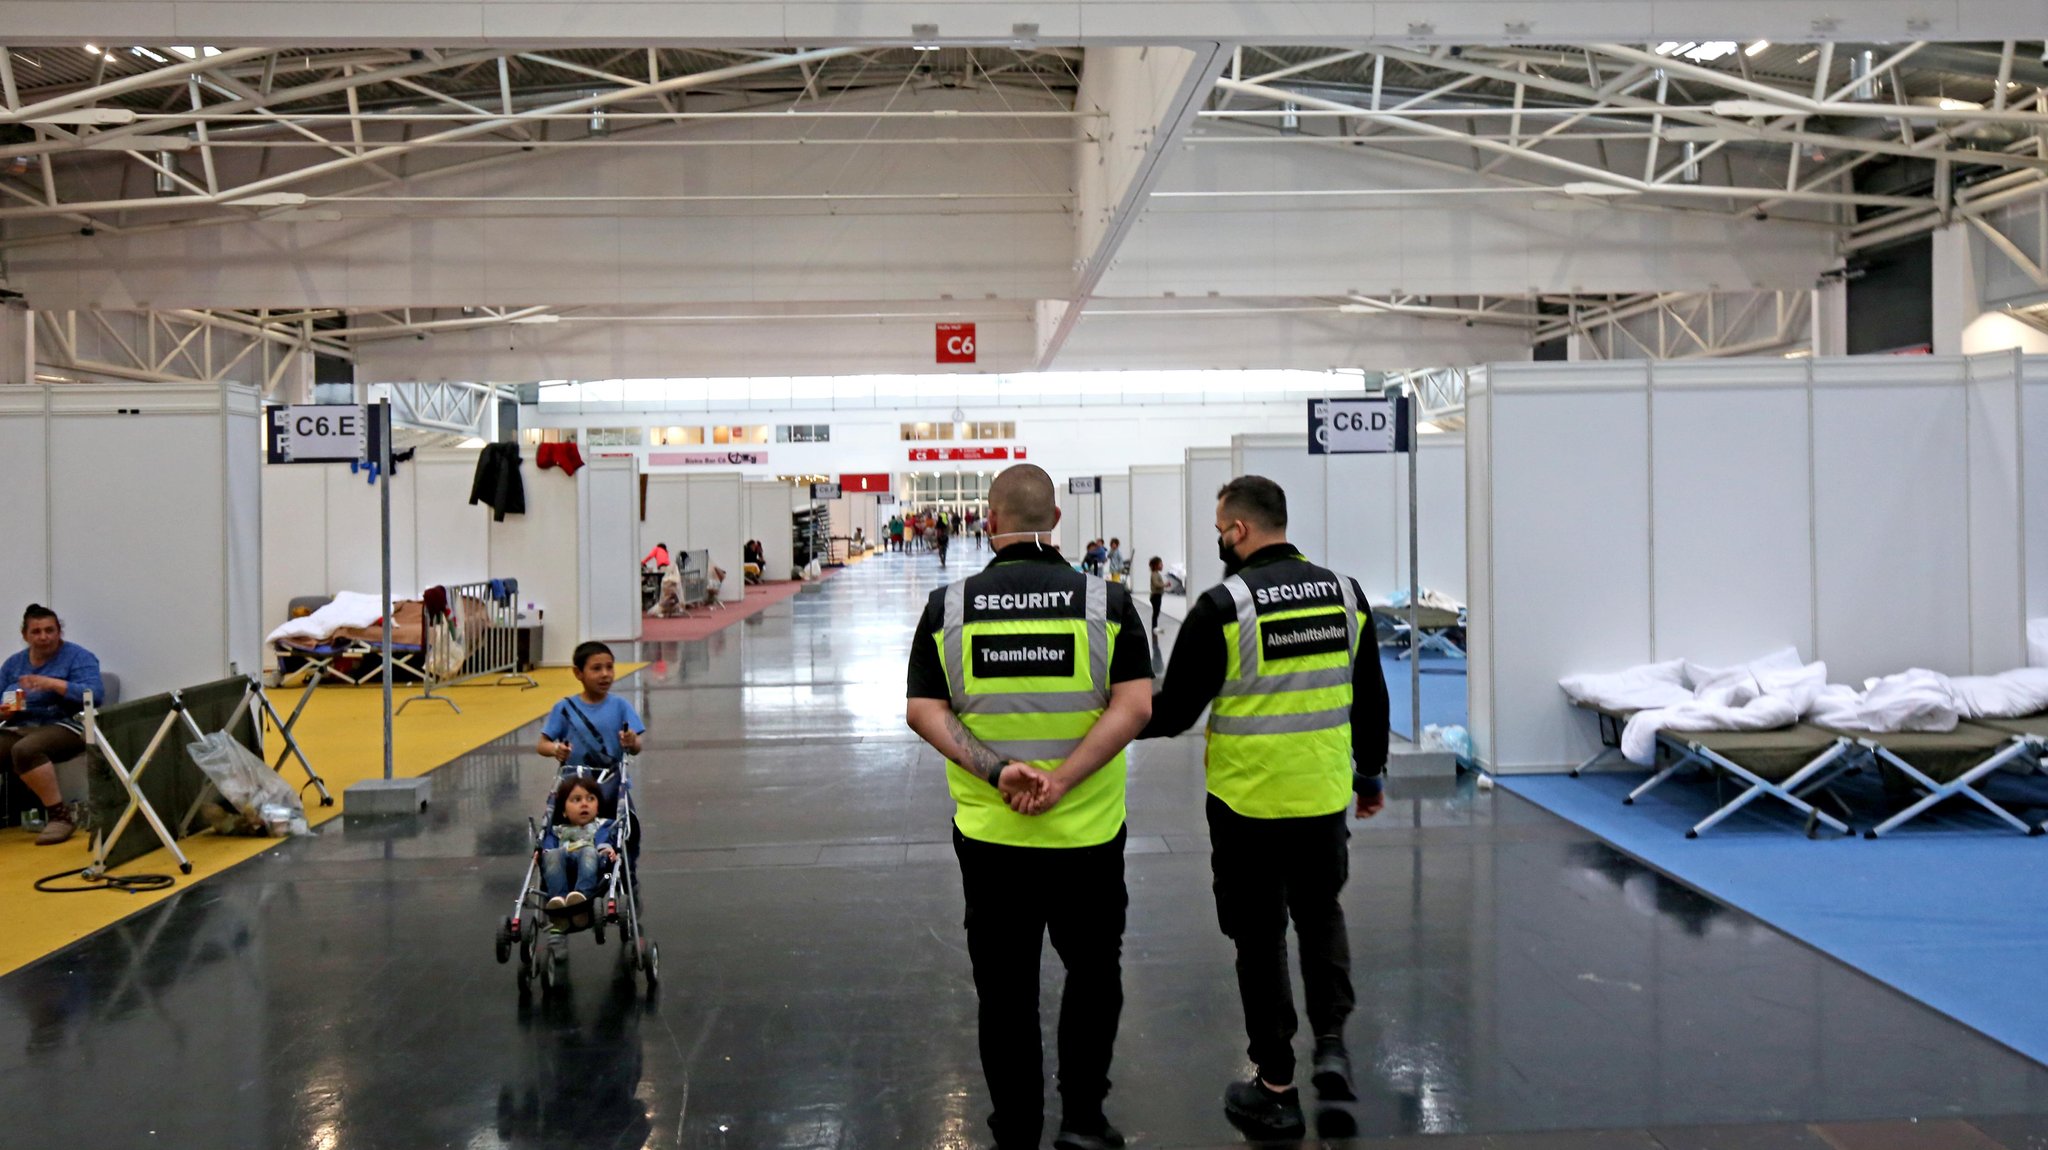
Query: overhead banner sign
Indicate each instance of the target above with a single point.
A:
(1357, 426)
(1085, 485)
(865, 481)
(960, 454)
(319, 433)
(955, 342)
(824, 491)
(704, 458)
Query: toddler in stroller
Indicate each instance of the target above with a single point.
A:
(575, 852)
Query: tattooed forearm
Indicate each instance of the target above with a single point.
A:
(980, 759)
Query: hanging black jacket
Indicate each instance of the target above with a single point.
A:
(497, 483)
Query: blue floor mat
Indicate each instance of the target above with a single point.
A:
(1949, 910)
(1443, 692)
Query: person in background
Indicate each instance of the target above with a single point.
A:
(1158, 589)
(657, 558)
(42, 692)
(1115, 558)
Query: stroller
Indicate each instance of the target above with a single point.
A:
(617, 903)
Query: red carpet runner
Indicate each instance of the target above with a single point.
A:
(699, 623)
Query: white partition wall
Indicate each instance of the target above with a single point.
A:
(1207, 469)
(1116, 512)
(143, 557)
(540, 549)
(451, 538)
(608, 548)
(1868, 511)
(24, 522)
(1285, 460)
(767, 519)
(702, 511)
(1158, 518)
(2033, 466)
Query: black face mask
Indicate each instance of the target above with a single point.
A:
(1230, 560)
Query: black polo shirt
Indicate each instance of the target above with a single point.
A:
(1130, 655)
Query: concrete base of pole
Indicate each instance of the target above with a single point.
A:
(387, 797)
(1404, 761)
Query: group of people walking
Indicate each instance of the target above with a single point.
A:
(1032, 678)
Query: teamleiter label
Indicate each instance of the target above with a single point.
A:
(1023, 656)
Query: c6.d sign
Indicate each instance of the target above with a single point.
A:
(1357, 426)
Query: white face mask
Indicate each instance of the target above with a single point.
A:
(1043, 539)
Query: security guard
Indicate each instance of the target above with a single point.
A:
(1030, 678)
(1282, 653)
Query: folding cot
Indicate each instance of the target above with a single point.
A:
(1788, 764)
(1435, 623)
(1946, 764)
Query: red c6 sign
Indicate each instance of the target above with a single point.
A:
(955, 343)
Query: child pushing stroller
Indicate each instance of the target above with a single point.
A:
(581, 876)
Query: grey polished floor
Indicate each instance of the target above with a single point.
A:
(1515, 976)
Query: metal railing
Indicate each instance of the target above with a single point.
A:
(488, 621)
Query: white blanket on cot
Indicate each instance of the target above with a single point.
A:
(2012, 695)
(349, 609)
(1761, 696)
(1652, 685)
(1915, 700)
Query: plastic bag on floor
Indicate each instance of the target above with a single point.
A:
(1454, 739)
(814, 570)
(262, 803)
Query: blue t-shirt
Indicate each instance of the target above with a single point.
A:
(608, 716)
(78, 667)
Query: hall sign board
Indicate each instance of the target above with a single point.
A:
(824, 491)
(955, 342)
(703, 458)
(1084, 485)
(960, 454)
(1357, 426)
(319, 433)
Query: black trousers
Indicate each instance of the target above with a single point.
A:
(1015, 896)
(1156, 597)
(1266, 871)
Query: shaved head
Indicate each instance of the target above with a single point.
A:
(1021, 499)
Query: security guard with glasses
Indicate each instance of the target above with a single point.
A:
(1283, 655)
(1030, 678)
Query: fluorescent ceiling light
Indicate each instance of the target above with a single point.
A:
(1757, 48)
(92, 49)
(88, 116)
(1710, 51)
(472, 443)
(1747, 108)
(146, 54)
(140, 144)
(271, 200)
(1948, 105)
(525, 319)
(191, 53)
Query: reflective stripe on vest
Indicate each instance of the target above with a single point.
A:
(1279, 733)
(1038, 720)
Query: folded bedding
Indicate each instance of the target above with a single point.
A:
(1915, 700)
(347, 609)
(1635, 689)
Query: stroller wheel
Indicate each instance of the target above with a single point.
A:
(650, 965)
(504, 944)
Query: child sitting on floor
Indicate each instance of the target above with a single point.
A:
(570, 869)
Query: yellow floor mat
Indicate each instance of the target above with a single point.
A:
(342, 733)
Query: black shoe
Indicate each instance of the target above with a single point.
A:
(1260, 1113)
(1101, 1136)
(1332, 1076)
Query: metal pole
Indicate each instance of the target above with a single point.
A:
(384, 501)
(1414, 580)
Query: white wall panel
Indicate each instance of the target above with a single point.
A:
(1285, 460)
(1892, 534)
(24, 577)
(1480, 648)
(1734, 533)
(540, 549)
(608, 494)
(355, 531)
(1571, 542)
(243, 478)
(294, 537)
(1158, 523)
(715, 525)
(139, 548)
(665, 515)
(1207, 469)
(2034, 484)
(1368, 522)
(1998, 594)
(1116, 511)
(1440, 515)
(767, 505)
(451, 538)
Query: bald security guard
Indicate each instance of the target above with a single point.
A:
(1297, 733)
(1030, 678)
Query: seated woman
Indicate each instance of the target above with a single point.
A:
(756, 560)
(39, 727)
